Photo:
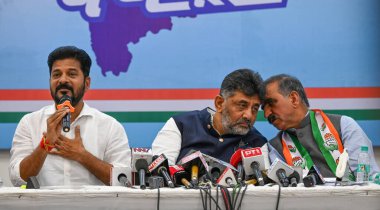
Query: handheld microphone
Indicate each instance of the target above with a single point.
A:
(180, 176)
(253, 163)
(141, 157)
(279, 172)
(236, 161)
(160, 166)
(65, 101)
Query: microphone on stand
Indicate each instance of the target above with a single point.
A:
(294, 179)
(142, 168)
(253, 163)
(196, 163)
(279, 172)
(160, 166)
(119, 176)
(216, 167)
(123, 179)
(227, 178)
(236, 161)
(180, 176)
(141, 157)
(314, 177)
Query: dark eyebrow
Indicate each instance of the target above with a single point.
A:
(55, 70)
(265, 102)
(242, 101)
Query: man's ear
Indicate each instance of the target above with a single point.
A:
(87, 82)
(294, 98)
(218, 101)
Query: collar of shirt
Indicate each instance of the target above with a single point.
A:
(304, 122)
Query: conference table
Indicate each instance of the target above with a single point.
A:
(325, 197)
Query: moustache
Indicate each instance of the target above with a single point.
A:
(271, 118)
(243, 120)
(64, 86)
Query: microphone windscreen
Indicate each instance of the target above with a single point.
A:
(318, 175)
(236, 158)
(141, 164)
(155, 157)
(294, 178)
(309, 181)
(65, 98)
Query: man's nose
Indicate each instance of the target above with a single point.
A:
(267, 112)
(63, 79)
(248, 113)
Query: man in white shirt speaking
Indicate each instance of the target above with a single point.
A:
(91, 145)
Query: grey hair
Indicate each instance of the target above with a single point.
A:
(244, 80)
(286, 84)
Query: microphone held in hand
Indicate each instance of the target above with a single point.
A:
(66, 120)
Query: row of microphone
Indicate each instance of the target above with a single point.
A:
(247, 166)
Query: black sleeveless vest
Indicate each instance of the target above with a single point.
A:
(198, 134)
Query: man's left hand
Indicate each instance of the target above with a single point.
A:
(72, 149)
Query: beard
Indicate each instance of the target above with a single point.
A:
(234, 127)
(75, 98)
